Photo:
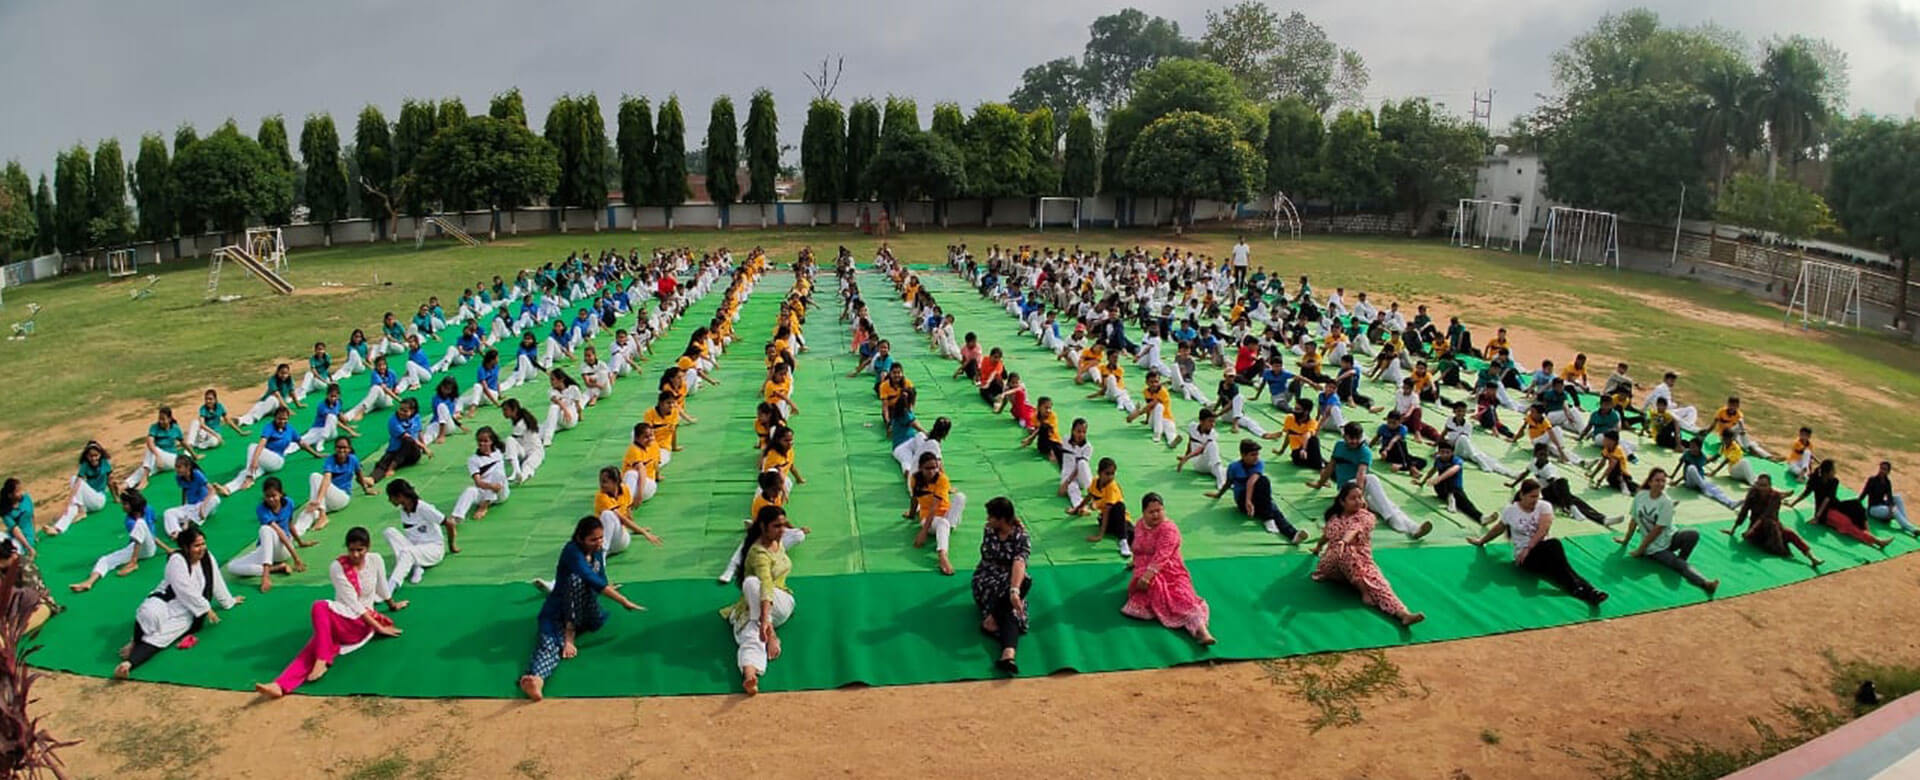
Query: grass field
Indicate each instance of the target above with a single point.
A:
(100, 362)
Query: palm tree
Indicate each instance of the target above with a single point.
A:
(1730, 128)
(1790, 103)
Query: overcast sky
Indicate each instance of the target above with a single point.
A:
(82, 70)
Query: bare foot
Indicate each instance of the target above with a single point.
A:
(269, 690)
(266, 583)
(750, 682)
(81, 587)
(123, 671)
(319, 671)
(127, 569)
(531, 685)
(126, 651)
(479, 513)
(920, 539)
(946, 566)
(1412, 617)
(1815, 562)
(569, 649)
(1206, 638)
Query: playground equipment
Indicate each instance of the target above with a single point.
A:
(1814, 294)
(122, 263)
(1489, 224)
(448, 228)
(262, 253)
(1285, 216)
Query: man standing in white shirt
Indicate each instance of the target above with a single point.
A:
(1240, 256)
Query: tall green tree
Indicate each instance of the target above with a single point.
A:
(1629, 151)
(326, 173)
(1123, 44)
(1243, 38)
(763, 151)
(1308, 65)
(1429, 157)
(1080, 173)
(1176, 85)
(411, 134)
(901, 117)
(46, 218)
(1353, 173)
(1058, 84)
(273, 138)
(1791, 103)
(823, 153)
(373, 156)
(1633, 49)
(508, 106)
(594, 161)
(999, 157)
(228, 177)
(950, 124)
(723, 153)
(153, 189)
(192, 222)
(633, 139)
(451, 112)
(73, 192)
(1044, 179)
(1875, 191)
(1187, 155)
(863, 142)
(111, 220)
(17, 225)
(1294, 132)
(496, 162)
(913, 165)
(670, 165)
(1730, 121)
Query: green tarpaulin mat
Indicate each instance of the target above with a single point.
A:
(870, 608)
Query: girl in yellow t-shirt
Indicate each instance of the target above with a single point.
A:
(779, 457)
(1104, 499)
(614, 506)
(937, 505)
(778, 390)
(1159, 412)
(640, 468)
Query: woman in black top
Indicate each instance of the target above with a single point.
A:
(1847, 517)
(1000, 583)
(1883, 503)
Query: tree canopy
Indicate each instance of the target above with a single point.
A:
(670, 155)
(863, 142)
(762, 148)
(1591, 163)
(723, 152)
(823, 151)
(1188, 155)
(999, 160)
(373, 157)
(1080, 169)
(228, 177)
(912, 164)
(326, 172)
(634, 142)
(497, 163)
(273, 138)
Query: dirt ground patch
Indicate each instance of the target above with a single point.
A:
(1477, 715)
(1698, 313)
(1826, 381)
(325, 290)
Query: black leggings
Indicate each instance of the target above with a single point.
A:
(1549, 560)
(1308, 457)
(1264, 509)
(1114, 523)
(1446, 488)
(143, 652)
(398, 459)
(1006, 627)
(1558, 494)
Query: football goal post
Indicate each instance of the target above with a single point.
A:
(121, 263)
(1074, 221)
(1581, 237)
(1489, 224)
(1826, 292)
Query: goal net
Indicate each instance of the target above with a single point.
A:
(1828, 293)
(1489, 224)
(121, 263)
(1066, 211)
(1581, 237)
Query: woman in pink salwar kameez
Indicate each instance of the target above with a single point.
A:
(347, 621)
(1161, 588)
(1346, 555)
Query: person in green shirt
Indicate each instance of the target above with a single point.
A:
(765, 601)
(16, 509)
(1653, 517)
(164, 439)
(92, 484)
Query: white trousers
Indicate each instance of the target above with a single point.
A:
(618, 538)
(376, 400)
(1463, 447)
(268, 549)
(140, 546)
(943, 524)
(268, 462)
(261, 410)
(201, 437)
(322, 491)
(560, 417)
(480, 395)
(443, 424)
(473, 496)
(153, 463)
(317, 438)
(639, 485)
(451, 359)
(1385, 509)
(411, 560)
(1210, 461)
(178, 517)
(352, 365)
(523, 462)
(1698, 481)
(908, 452)
(1119, 395)
(85, 500)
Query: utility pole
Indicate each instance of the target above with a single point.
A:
(1483, 109)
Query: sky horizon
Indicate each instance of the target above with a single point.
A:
(143, 68)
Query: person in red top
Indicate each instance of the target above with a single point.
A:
(992, 379)
(1246, 362)
(666, 286)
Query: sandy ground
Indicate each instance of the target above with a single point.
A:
(1491, 707)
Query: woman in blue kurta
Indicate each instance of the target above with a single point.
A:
(573, 606)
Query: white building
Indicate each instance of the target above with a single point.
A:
(1513, 179)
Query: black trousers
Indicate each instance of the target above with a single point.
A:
(1042, 441)
(1558, 493)
(1265, 509)
(396, 460)
(1308, 455)
(1114, 523)
(1399, 456)
(1006, 625)
(992, 391)
(1617, 479)
(143, 652)
(1446, 489)
(1549, 560)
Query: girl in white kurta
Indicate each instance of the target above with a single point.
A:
(344, 623)
(564, 402)
(525, 449)
(182, 603)
(420, 542)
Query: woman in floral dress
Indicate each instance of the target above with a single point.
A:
(1346, 555)
(1161, 588)
(1000, 584)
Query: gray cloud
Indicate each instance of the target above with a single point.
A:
(80, 70)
